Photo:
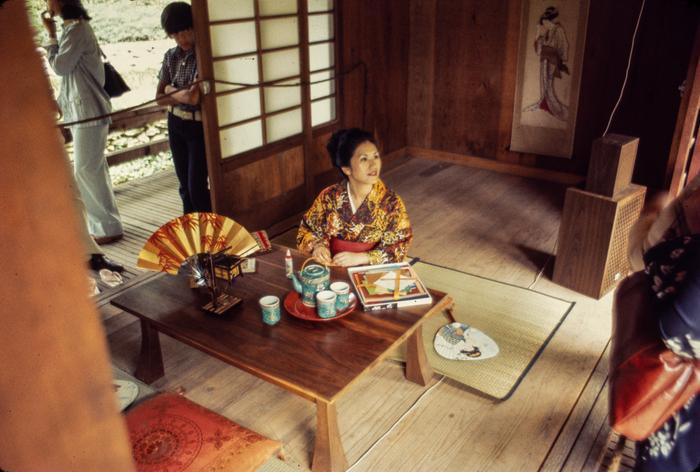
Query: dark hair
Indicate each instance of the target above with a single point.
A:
(176, 17)
(73, 10)
(343, 143)
(550, 13)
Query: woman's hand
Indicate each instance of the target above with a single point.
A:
(322, 254)
(49, 23)
(349, 259)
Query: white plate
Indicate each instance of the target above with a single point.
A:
(461, 342)
(126, 392)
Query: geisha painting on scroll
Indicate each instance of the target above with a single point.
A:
(550, 60)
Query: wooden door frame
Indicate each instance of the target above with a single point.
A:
(684, 133)
(216, 165)
(210, 120)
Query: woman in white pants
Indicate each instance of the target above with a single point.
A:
(76, 58)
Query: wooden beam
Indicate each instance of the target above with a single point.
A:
(685, 124)
(129, 154)
(496, 166)
(210, 119)
(136, 118)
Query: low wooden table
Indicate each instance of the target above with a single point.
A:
(319, 361)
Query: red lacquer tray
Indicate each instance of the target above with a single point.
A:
(294, 306)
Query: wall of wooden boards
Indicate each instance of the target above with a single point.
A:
(462, 60)
(376, 33)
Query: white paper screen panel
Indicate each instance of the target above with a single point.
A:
(238, 106)
(320, 5)
(277, 98)
(233, 38)
(279, 32)
(320, 27)
(277, 7)
(321, 56)
(238, 139)
(242, 70)
(280, 64)
(230, 9)
(322, 89)
(283, 125)
(322, 111)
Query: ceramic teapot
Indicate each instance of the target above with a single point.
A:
(310, 280)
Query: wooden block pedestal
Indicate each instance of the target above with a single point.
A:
(593, 239)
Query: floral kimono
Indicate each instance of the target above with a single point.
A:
(673, 267)
(380, 220)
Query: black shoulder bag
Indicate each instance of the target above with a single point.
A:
(114, 83)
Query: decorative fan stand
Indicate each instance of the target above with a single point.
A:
(205, 246)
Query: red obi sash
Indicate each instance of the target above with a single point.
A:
(340, 245)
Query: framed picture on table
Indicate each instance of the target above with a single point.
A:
(550, 60)
(388, 286)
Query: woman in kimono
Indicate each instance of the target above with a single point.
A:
(670, 244)
(552, 47)
(359, 220)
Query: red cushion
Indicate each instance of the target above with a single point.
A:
(170, 433)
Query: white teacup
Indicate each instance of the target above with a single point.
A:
(342, 292)
(325, 303)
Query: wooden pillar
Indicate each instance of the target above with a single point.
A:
(59, 411)
(684, 134)
(210, 120)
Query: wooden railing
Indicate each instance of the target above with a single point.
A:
(134, 119)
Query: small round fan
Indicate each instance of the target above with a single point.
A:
(178, 240)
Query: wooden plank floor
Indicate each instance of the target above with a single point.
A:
(494, 225)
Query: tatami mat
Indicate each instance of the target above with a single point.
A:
(521, 321)
(276, 465)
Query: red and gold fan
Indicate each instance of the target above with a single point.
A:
(189, 235)
(195, 242)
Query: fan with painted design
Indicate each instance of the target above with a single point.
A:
(193, 243)
(194, 233)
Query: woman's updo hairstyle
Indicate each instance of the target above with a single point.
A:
(343, 143)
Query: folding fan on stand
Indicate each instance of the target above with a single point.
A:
(198, 242)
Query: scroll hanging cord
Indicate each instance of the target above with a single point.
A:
(239, 84)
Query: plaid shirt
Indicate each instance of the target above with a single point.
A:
(179, 69)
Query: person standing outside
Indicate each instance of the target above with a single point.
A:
(185, 131)
(76, 58)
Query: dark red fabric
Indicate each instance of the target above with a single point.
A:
(648, 382)
(340, 245)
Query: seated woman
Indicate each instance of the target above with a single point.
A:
(359, 220)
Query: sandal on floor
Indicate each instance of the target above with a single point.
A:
(110, 278)
(93, 289)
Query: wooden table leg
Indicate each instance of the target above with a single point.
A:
(418, 369)
(450, 313)
(150, 364)
(328, 451)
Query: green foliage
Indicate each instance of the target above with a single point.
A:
(114, 21)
